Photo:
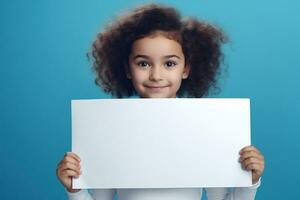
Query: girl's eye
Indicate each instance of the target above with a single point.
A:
(170, 64)
(143, 64)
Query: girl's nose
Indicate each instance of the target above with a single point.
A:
(155, 74)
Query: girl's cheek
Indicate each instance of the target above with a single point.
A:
(141, 76)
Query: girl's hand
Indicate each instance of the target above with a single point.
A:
(252, 159)
(67, 168)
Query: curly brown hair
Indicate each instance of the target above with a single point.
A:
(201, 44)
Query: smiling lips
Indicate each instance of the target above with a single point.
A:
(156, 86)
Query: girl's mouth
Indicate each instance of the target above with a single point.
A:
(156, 88)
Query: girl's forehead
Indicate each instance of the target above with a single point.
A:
(157, 44)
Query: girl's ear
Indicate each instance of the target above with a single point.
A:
(127, 70)
(186, 71)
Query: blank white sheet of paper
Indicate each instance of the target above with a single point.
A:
(161, 142)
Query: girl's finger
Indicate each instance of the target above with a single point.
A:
(69, 165)
(72, 160)
(252, 160)
(69, 172)
(59, 163)
(74, 155)
(249, 148)
(254, 167)
(249, 154)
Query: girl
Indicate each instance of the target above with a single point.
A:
(154, 53)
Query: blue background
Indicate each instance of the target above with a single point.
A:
(43, 66)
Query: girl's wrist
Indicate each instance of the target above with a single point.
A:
(73, 190)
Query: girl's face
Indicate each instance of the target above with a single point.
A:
(157, 67)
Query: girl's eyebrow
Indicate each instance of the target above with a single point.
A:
(145, 56)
